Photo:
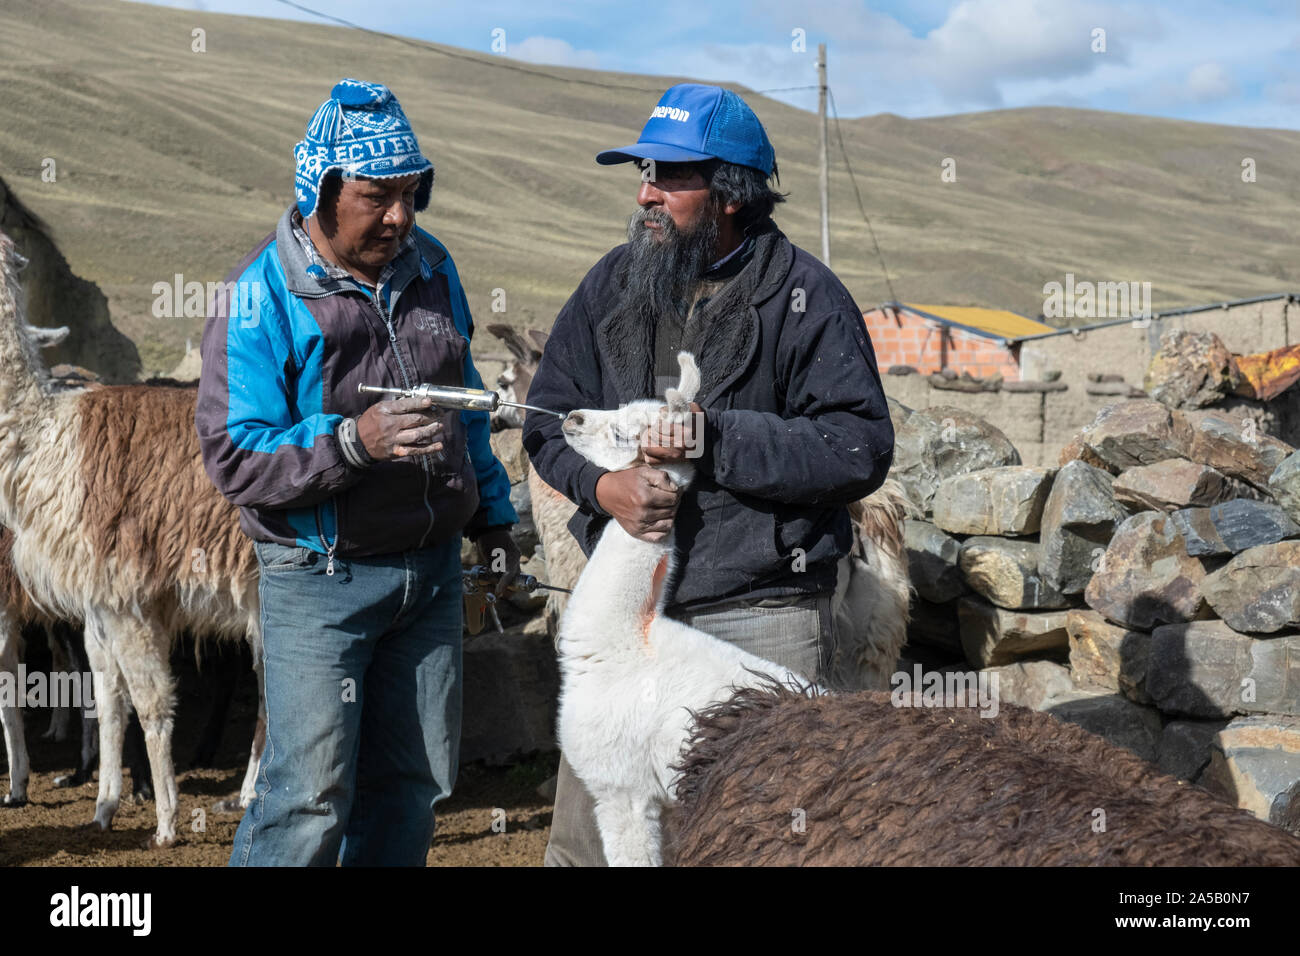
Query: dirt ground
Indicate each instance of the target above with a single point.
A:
(50, 829)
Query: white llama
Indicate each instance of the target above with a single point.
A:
(629, 676)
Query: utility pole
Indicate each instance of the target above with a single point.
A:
(825, 167)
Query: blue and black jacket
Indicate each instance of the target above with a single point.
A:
(284, 349)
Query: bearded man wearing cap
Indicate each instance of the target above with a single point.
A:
(791, 423)
(356, 509)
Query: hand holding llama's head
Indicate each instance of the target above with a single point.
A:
(614, 439)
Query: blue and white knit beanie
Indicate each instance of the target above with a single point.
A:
(359, 131)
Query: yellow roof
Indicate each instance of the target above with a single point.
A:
(996, 323)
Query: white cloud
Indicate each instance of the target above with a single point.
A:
(1213, 60)
(983, 44)
(1286, 91)
(984, 53)
(552, 51)
(1209, 81)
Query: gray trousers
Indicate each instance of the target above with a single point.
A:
(796, 635)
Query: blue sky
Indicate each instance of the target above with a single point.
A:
(1215, 61)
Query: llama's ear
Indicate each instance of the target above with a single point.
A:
(520, 348)
(47, 338)
(679, 399)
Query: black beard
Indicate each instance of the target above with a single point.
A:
(661, 268)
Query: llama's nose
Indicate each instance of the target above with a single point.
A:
(573, 419)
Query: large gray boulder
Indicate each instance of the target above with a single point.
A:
(1079, 450)
(1005, 571)
(936, 443)
(1284, 485)
(898, 413)
(1206, 669)
(1115, 718)
(1146, 576)
(1172, 484)
(932, 561)
(1191, 370)
(1185, 747)
(1079, 519)
(1233, 527)
(1106, 656)
(1255, 763)
(1137, 432)
(1234, 446)
(1006, 500)
(1033, 684)
(992, 635)
(1258, 591)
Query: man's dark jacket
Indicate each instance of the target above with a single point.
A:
(796, 421)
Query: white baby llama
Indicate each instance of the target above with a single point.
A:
(629, 676)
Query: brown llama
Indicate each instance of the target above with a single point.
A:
(116, 525)
(775, 778)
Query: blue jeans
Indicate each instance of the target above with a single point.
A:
(363, 707)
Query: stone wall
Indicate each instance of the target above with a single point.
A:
(1148, 589)
(1126, 350)
(1039, 424)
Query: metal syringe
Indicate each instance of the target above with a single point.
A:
(451, 396)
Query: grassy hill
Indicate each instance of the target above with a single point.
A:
(170, 161)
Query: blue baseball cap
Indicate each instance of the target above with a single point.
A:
(693, 122)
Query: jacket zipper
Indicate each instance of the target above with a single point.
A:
(406, 379)
(329, 548)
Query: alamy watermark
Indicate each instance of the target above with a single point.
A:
(197, 300)
(75, 908)
(922, 688)
(1097, 300)
(56, 689)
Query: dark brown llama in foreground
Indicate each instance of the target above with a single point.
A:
(773, 778)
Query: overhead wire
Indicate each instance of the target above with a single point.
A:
(496, 63)
(839, 133)
(517, 68)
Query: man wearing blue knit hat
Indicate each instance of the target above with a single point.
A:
(356, 508)
(790, 426)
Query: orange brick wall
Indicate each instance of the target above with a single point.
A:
(919, 343)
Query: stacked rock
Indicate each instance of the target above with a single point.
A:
(1148, 588)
